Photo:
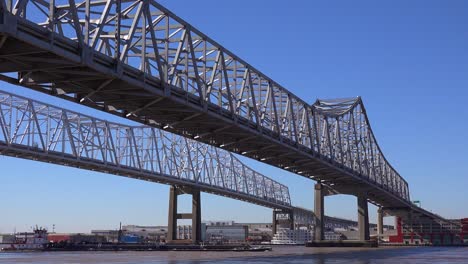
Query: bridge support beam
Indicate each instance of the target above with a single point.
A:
(292, 225)
(319, 196)
(196, 216)
(174, 215)
(274, 225)
(363, 218)
(380, 224)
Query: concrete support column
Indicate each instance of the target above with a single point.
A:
(292, 226)
(380, 224)
(363, 218)
(410, 221)
(196, 217)
(174, 215)
(396, 222)
(319, 210)
(274, 226)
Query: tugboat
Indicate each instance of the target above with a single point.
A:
(28, 241)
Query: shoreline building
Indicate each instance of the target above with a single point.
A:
(221, 232)
(286, 236)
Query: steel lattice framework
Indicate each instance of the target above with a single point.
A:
(138, 60)
(346, 137)
(34, 130)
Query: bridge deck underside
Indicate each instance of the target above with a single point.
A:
(88, 80)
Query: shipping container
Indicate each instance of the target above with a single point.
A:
(130, 239)
(56, 238)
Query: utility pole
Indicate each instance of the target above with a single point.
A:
(120, 233)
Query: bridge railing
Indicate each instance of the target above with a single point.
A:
(35, 127)
(150, 43)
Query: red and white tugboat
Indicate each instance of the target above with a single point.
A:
(36, 240)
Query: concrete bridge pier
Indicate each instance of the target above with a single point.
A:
(274, 223)
(319, 196)
(174, 215)
(320, 192)
(380, 225)
(363, 218)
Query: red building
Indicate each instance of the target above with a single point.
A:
(447, 234)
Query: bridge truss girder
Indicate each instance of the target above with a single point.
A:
(138, 60)
(38, 131)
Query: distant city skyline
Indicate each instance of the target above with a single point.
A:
(408, 61)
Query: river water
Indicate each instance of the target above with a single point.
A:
(280, 254)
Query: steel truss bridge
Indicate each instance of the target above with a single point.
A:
(138, 60)
(38, 131)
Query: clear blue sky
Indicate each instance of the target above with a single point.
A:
(407, 59)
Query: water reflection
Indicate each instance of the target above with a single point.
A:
(294, 255)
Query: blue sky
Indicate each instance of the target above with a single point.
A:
(407, 59)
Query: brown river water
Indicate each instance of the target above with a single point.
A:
(280, 254)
